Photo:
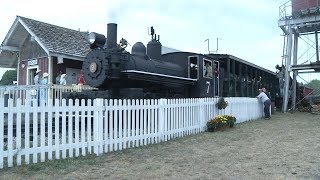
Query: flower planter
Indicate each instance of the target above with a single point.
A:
(222, 104)
(220, 123)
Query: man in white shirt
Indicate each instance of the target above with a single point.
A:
(266, 101)
(208, 69)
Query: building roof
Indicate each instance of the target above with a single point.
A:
(55, 41)
(228, 56)
(59, 39)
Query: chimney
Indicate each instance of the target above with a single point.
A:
(112, 36)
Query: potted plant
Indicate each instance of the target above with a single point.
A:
(222, 103)
(230, 120)
(217, 123)
(212, 125)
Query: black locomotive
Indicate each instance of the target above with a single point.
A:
(148, 73)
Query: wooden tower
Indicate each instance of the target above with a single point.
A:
(298, 18)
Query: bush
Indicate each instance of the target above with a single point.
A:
(8, 77)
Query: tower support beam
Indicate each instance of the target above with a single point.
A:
(287, 70)
(295, 72)
(317, 45)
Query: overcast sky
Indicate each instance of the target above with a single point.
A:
(247, 29)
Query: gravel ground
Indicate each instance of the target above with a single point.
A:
(285, 147)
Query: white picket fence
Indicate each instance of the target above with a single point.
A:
(29, 134)
(41, 92)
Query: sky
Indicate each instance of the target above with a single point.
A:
(247, 29)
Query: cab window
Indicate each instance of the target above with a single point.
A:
(193, 67)
(207, 69)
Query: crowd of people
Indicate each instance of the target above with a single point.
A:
(61, 79)
(41, 93)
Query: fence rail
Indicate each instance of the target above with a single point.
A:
(40, 92)
(29, 134)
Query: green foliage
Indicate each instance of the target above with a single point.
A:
(222, 103)
(315, 85)
(8, 77)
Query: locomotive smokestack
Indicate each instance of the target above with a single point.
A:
(112, 36)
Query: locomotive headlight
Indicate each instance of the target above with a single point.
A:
(93, 67)
(92, 38)
(96, 40)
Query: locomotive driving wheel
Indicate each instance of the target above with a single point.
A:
(96, 68)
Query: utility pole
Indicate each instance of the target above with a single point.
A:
(207, 40)
(208, 45)
(218, 44)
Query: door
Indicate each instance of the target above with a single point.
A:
(216, 70)
(31, 74)
(207, 84)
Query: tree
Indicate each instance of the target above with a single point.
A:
(8, 77)
(315, 85)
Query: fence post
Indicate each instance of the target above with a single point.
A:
(98, 120)
(162, 119)
(201, 111)
(1, 131)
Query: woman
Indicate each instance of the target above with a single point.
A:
(266, 102)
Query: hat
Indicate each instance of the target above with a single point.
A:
(38, 71)
(45, 74)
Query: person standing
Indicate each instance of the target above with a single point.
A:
(58, 78)
(36, 81)
(37, 78)
(208, 69)
(266, 102)
(81, 80)
(266, 92)
(44, 90)
(63, 80)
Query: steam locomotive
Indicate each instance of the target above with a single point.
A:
(146, 72)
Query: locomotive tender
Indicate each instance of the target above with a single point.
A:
(147, 73)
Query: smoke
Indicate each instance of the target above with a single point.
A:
(112, 17)
(114, 10)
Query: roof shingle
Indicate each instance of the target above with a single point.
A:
(59, 40)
